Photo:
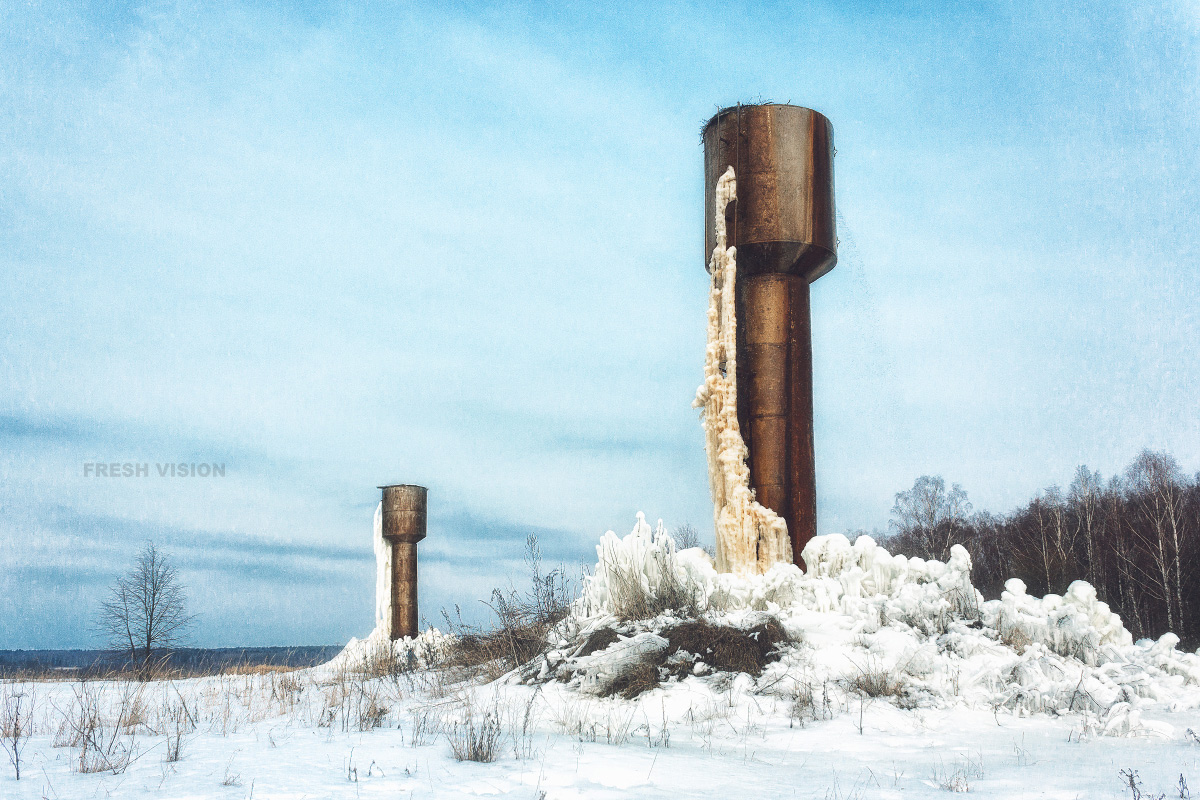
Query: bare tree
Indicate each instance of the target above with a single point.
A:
(930, 518)
(1085, 494)
(146, 608)
(1154, 481)
(685, 536)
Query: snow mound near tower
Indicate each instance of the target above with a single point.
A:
(377, 653)
(859, 608)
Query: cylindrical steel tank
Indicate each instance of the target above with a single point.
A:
(782, 225)
(404, 516)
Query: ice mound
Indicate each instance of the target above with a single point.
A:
(377, 652)
(859, 607)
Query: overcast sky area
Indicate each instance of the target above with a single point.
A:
(332, 246)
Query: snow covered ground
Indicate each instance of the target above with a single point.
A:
(1017, 697)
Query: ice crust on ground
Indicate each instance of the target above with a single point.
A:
(750, 537)
(859, 607)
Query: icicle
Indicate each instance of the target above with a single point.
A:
(750, 537)
(383, 578)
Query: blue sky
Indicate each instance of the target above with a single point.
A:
(338, 245)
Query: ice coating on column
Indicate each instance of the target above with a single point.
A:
(383, 577)
(750, 537)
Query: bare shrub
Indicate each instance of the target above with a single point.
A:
(520, 722)
(873, 680)
(958, 778)
(685, 536)
(16, 723)
(231, 778)
(177, 721)
(522, 621)
(133, 712)
(475, 738)
(102, 747)
(369, 709)
(352, 702)
(426, 726)
(286, 691)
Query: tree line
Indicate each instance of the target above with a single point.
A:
(1135, 537)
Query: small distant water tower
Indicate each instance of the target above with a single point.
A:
(404, 524)
(782, 225)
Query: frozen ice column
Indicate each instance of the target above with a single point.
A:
(403, 525)
(782, 224)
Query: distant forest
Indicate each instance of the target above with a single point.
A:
(1135, 537)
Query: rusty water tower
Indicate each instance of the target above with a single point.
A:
(782, 224)
(404, 513)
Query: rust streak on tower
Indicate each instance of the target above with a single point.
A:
(404, 512)
(782, 224)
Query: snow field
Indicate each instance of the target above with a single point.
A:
(254, 736)
(900, 681)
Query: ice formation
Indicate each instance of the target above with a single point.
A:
(750, 537)
(379, 652)
(922, 621)
(383, 577)
(643, 561)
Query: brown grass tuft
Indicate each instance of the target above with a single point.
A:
(599, 640)
(641, 678)
(726, 648)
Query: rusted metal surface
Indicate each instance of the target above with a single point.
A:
(404, 524)
(783, 227)
(783, 219)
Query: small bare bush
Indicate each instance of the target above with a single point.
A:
(810, 702)
(102, 747)
(475, 738)
(426, 726)
(16, 723)
(523, 621)
(177, 722)
(873, 680)
(685, 536)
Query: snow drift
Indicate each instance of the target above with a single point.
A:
(860, 608)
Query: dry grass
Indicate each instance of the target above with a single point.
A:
(873, 680)
(640, 678)
(522, 622)
(598, 640)
(256, 669)
(475, 738)
(728, 649)
(631, 598)
(723, 648)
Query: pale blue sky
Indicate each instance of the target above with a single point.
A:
(338, 245)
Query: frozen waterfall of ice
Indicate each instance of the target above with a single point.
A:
(751, 538)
